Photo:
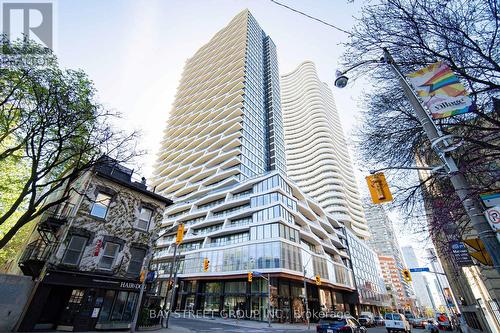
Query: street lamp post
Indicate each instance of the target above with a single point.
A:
(437, 139)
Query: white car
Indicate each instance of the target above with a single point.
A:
(396, 322)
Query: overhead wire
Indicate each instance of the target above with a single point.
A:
(311, 17)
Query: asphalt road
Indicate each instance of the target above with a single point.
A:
(204, 326)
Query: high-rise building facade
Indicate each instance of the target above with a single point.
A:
(223, 162)
(226, 124)
(383, 240)
(370, 285)
(317, 155)
(418, 278)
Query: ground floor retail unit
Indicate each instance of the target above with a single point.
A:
(70, 301)
(235, 296)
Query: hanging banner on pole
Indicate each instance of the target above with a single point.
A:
(441, 91)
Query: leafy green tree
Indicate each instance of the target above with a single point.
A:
(52, 125)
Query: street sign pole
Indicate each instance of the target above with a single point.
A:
(462, 188)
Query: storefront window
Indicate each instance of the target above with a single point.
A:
(129, 307)
(107, 305)
(213, 287)
(212, 303)
(235, 287)
(118, 306)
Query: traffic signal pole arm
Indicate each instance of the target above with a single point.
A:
(431, 169)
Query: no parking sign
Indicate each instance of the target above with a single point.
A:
(493, 217)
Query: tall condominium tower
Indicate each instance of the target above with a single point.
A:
(317, 155)
(223, 162)
(226, 124)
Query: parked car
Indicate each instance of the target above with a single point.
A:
(419, 323)
(396, 322)
(339, 325)
(443, 322)
(379, 321)
(366, 321)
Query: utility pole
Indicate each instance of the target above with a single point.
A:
(433, 260)
(472, 206)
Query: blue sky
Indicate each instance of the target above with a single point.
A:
(135, 50)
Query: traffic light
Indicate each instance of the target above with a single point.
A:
(142, 276)
(180, 234)
(379, 189)
(250, 276)
(318, 280)
(206, 264)
(406, 275)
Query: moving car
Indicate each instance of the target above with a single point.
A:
(396, 322)
(339, 325)
(419, 323)
(379, 321)
(366, 321)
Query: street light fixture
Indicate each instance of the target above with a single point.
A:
(341, 80)
(442, 145)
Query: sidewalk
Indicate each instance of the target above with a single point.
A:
(257, 324)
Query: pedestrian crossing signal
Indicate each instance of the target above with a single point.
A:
(406, 275)
(318, 280)
(379, 189)
(206, 264)
(250, 276)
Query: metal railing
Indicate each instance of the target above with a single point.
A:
(36, 251)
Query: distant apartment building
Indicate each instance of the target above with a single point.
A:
(384, 241)
(223, 162)
(89, 251)
(391, 272)
(317, 153)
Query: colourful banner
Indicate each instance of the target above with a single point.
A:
(441, 91)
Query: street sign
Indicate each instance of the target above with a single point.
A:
(419, 269)
(491, 199)
(493, 217)
(255, 273)
(460, 254)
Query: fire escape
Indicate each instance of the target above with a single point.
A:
(38, 252)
